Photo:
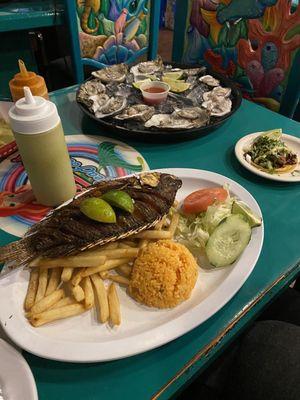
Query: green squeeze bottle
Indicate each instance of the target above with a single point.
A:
(40, 138)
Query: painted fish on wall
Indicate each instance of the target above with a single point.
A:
(120, 26)
(248, 41)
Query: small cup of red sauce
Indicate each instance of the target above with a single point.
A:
(154, 92)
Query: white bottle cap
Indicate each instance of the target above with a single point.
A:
(33, 114)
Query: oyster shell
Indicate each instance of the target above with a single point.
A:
(217, 91)
(114, 73)
(193, 113)
(113, 106)
(209, 80)
(219, 106)
(173, 121)
(99, 101)
(194, 71)
(217, 101)
(88, 89)
(147, 67)
(138, 112)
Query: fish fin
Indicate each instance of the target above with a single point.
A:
(17, 251)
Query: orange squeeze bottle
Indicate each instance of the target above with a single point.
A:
(35, 82)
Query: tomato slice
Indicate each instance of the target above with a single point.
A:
(198, 201)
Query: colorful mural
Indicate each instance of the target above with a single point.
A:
(251, 41)
(113, 31)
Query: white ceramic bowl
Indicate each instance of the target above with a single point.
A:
(155, 98)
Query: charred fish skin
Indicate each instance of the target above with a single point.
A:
(67, 231)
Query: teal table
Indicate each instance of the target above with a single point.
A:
(163, 372)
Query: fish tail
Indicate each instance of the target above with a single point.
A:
(17, 251)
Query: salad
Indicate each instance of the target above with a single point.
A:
(213, 221)
(269, 153)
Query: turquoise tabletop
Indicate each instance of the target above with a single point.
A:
(163, 372)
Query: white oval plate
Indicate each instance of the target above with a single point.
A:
(16, 379)
(292, 142)
(82, 339)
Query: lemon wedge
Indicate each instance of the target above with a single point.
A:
(176, 86)
(138, 84)
(173, 75)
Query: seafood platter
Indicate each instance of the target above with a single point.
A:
(129, 264)
(155, 99)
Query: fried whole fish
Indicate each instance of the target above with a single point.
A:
(66, 230)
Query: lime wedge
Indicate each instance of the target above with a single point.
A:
(138, 84)
(176, 86)
(119, 199)
(239, 207)
(274, 134)
(173, 75)
(98, 210)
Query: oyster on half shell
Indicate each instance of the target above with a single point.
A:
(209, 80)
(217, 91)
(194, 71)
(217, 101)
(114, 73)
(174, 121)
(219, 106)
(194, 113)
(147, 67)
(138, 112)
(88, 89)
(99, 101)
(113, 106)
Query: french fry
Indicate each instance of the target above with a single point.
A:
(125, 269)
(78, 293)
(143, 243)
(124, 246)
(110, 264)
(120, 253)
(114, 305)
(65, 301)
(130, 243)
(41, 290)
(32, 289)
(66, 274)
(118, 278)
(160, 224)
(173, 224)
(153, 235)
(88, 259)
(110, 246)
(56, 313)
(103, 274)
(47, 301)
(77, 277)
(54, 280)
(103, 310)
(88, 292)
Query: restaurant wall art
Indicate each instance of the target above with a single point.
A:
(251, 41)
(113, 31)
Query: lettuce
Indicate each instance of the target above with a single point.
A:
(194, 230)
(215, 214)
(190, 232)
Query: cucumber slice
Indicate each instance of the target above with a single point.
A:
(228, 241)
(239, 207)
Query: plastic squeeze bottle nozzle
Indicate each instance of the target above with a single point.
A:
(40, 138)
(35, 82)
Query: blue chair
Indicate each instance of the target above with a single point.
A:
(117, 29)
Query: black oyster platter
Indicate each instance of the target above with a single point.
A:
(198, 102)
